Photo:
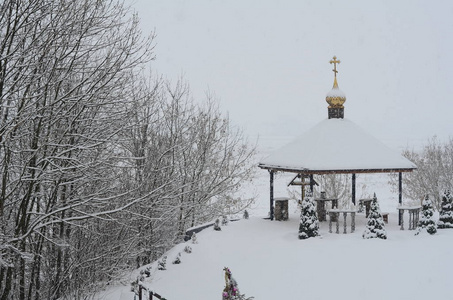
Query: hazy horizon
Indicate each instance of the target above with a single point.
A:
(268, 63)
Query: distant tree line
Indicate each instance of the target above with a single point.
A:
(102, 167)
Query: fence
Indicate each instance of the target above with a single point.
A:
(151, 295)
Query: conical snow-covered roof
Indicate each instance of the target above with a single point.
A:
(336, 146)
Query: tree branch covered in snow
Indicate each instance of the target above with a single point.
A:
(102, 167)
(434, 173)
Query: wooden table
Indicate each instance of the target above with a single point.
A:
(321, 207)
(334, 216)
(414, 215)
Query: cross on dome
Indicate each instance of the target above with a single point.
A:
(334, 61)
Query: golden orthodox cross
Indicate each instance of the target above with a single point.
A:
(334, 61)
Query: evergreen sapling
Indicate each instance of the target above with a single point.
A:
(375, 227)
(224, 221)
(217, 225)
(162, 263)
(177, 260)
(446, 211)
(426, 220)
(309, 225)
(194, 238)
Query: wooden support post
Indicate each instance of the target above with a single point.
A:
(400, 197)
(353, 188)
(311, 183)
(271, 173)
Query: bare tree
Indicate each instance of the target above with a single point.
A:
(64, 72)
(192, 152)
(434, 172)
(100, 165)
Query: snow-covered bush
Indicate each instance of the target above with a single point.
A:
(217, 225)
(188, 249)
(446, 211)
(426, 219)
(308, 226)
(224, 220)
(375, 227)
(231, 290)
(147, 271)
(193, 238)
(177, 260)
(162, 263)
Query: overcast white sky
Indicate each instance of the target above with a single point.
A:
(267, 61)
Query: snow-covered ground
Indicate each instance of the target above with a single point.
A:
(270, 262)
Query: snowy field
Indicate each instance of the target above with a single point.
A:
(270, 262)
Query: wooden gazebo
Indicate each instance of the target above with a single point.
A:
(335, 146)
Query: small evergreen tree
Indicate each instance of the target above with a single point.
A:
(446, 211)
(217, 225)
(375, 227)
(231, 290)
(162, 263)
(193, 238)
(147, 271)
(308, 226)
(224, 221)
(177, 260)
(426, 220)
(246, 214)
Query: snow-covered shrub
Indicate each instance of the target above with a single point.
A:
(193, 238)
(224, 221)
(162, 263)
(147, 271)
(426, 219)
(188, 249)
(231, 290)
(246, 214)
(177, 260)
(308, 226)
(217, 225)
(446, 211)
(375, 227)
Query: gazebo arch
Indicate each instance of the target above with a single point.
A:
(335, 146)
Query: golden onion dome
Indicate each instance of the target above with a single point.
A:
(335, 98)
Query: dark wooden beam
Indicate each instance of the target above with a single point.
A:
(271, 173)
(400, 196)
(312, 182)
(321, 172)
(353, 188)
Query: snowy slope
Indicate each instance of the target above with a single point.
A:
(270, 262)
